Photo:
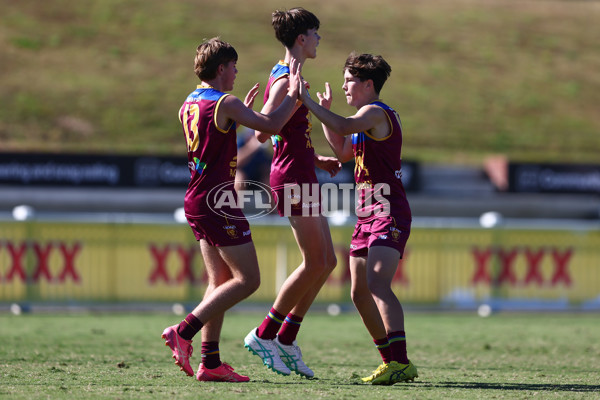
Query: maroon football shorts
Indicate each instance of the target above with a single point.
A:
(219, 230)
(381, 231)
(298, 200)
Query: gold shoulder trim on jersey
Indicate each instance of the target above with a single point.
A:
(278, 79)
(389, 122)
(215, 116)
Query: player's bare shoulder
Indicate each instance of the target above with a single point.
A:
(230, 108)
(279, 90)
(378, 120)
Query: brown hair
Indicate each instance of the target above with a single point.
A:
(209, 55)
(289, 24)
(368, 66)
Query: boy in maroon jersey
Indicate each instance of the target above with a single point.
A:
(209, 118)
(293, 165)
(373, 137)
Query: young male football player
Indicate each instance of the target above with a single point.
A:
(209, 117)
(373, 137)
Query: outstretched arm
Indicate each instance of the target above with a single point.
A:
(277, 94)
(365, 119)
(271, 122)
(341, 145)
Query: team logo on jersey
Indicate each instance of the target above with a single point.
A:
(231, 231)
(294, 199)
(395, 232)
(359, 167)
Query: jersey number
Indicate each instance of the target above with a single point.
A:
(189, 118)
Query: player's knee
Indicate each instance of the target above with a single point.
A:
(255, 283)
(330, 263)
(252, 283)
(354, 296)
(314, 268)
(317, 266)
(382, 292)
(359, 296)
(379, 289)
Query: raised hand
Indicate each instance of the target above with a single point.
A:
(249, 100)
(325, 99)
(295, 79)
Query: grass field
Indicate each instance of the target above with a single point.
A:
(469, 78)
(459, 356)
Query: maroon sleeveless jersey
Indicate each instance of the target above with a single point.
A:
(212, 150)
(293, 153)
(378, 173)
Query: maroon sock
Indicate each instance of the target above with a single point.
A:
(210, 355)
(289, 329)
(189, 327)
(270, 325)
(398, 346)
(384, 349)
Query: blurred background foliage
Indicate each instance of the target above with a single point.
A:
(469, 78)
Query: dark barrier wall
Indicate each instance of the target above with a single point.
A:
(130, 171)
(92, 170)
(554, 178)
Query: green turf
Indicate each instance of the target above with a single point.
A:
(458, 355)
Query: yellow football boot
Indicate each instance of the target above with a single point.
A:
(375, 373)
(395, 372)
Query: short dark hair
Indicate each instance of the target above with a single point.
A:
(368, 66)
(289, 24)
(209, 55)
